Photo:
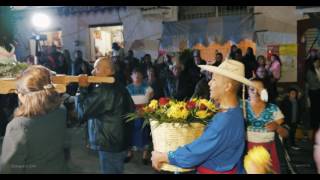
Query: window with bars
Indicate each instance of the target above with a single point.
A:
(234, 10)
(194, 12)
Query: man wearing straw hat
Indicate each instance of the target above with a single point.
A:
(219, 150)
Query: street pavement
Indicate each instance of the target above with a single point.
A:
(84, 161)
(302, 160)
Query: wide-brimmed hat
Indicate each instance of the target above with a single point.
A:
(234, 70)
(229, 68)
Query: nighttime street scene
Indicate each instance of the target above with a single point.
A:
(159, 89)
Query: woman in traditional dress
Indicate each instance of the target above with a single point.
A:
(263, 120)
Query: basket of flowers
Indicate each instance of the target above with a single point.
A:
(175, 123)
(9, 66)
(9, 69)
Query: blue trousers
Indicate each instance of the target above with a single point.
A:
(112, 163)
(140, 137)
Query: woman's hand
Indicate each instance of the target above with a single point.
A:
(158, 159)
(283, 132)
(272, 126)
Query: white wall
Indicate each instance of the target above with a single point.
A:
(138, 28)
(280, 23)
(76, 27)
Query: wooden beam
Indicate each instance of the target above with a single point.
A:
(8, 85)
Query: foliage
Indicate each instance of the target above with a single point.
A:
(172, 111)
(12, 69)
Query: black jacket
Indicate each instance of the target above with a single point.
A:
(202, 89)
(107, 105)
(179, 88)
(286, 108)
(250, 65)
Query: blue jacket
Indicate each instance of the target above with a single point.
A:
(219, 148)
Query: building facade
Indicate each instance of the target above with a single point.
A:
(78, 26)
(144, 29)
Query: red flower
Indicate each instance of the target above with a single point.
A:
(191, 105)
(163, 101)
(203, 107)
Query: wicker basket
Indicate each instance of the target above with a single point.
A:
(169, 136)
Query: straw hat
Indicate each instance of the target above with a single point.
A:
(231, 69)
(234, 70)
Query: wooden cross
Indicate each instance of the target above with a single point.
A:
(8, 85)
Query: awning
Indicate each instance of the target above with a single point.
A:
(72, 10)
(207, 31)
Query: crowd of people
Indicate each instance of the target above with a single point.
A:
(103, 109)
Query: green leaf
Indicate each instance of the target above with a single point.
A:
(145, 123)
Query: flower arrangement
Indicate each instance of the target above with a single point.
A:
(11, 70)
(175, 123)
(168, 110)
(9, 66)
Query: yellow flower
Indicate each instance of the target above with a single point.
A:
(178, 111)
(194, 99)
(202, 114)
(171, 103)
(182, 103)
(257, 160)
(207, 103)
(153, 104)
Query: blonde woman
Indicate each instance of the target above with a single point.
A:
(34, 139)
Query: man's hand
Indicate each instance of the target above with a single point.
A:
(158, 159)
(83, 80)
(272, 126)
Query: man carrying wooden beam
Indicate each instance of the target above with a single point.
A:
(104, 107)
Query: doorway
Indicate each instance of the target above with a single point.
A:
(307, 38)
(102, 37)
(46, 40)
